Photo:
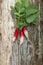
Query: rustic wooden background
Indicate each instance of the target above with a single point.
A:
(12, 53)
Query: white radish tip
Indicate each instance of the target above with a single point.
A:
(21, 40)
(26, 34)
(14, 39)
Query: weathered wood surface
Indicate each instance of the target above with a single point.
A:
(12, 53)
(21, 55)
(41, 10)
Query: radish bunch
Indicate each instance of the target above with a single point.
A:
(21, 33)
(24, 14)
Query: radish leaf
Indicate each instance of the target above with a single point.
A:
(31, 18)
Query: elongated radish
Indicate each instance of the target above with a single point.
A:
(21, 37)
(15, 34)
(25, 32)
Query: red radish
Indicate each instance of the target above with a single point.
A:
(15, 34)
(21, 37)
(25, 32)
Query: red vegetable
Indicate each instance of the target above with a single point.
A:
(21, 37)
(25, 32)
(15, 34)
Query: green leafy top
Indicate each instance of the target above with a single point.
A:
(24, 13)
